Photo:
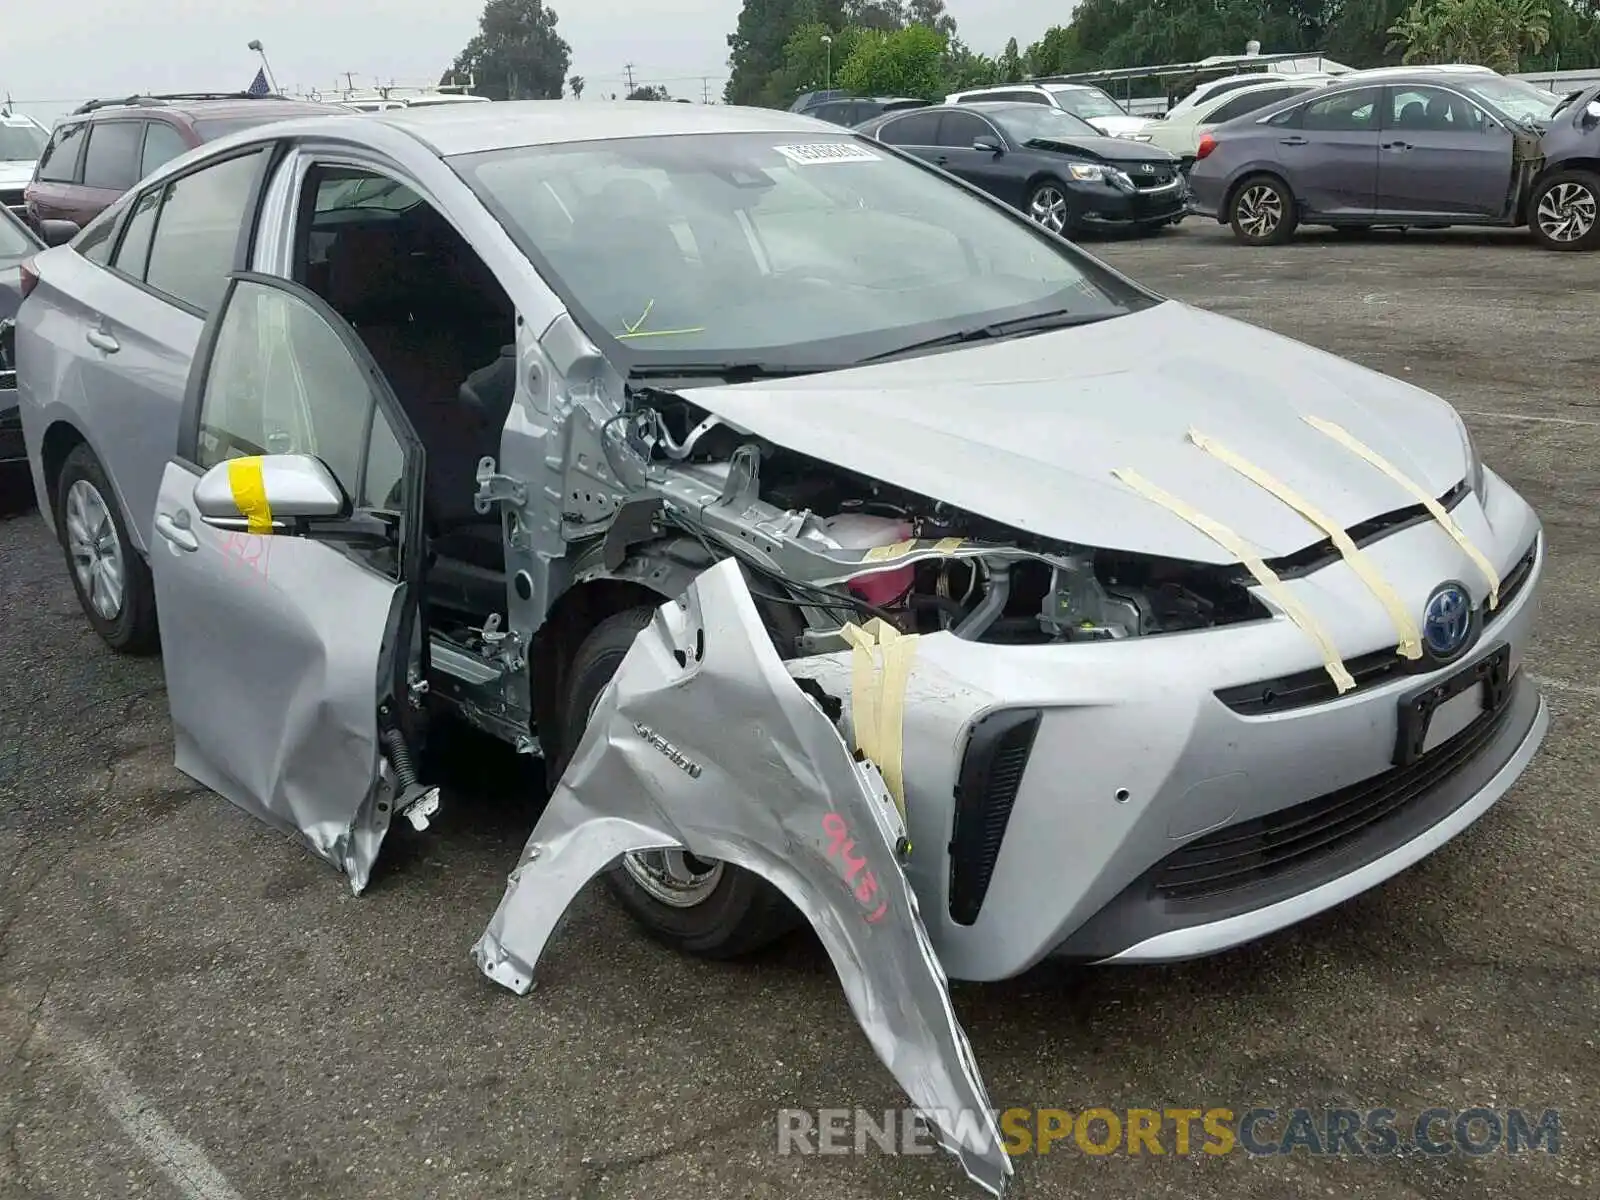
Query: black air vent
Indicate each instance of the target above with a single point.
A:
(991, 774)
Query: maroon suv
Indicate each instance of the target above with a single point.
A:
(106, 146)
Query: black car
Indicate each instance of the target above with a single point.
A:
(853, 110)
(1057, 168)
(17, 244)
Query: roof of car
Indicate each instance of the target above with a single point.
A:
(219, 106)
(451, 129)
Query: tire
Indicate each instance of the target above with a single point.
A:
(94, 540)
(1049, 208)
(1564, 211)
(1262, 211)
(722, 912)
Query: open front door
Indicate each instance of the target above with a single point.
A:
(287, 563)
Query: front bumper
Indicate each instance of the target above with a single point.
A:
(1097, 206)
(1101, 761)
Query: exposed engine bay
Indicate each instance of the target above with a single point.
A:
(833, 546)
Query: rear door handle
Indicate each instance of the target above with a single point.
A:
(1292, 141)
(101, 340)
(175, 533)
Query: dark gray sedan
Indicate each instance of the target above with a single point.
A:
(1413, 147)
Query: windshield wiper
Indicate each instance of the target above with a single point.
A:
(1019, 327)
(737, 372)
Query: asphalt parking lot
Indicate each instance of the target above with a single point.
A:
(191, 1006)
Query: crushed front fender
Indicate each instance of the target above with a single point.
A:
(657, 768)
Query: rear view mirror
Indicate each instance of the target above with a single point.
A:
(269, 493)
(989, 145)
(57, 233)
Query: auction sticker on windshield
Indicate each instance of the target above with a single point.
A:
(826, 152)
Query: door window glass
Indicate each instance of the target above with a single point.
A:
(919, 129)
(162, 144)
(197, 232)
(282, 381)
(962, 129)
(59, 163)
(95, 242)
(134, 250)
(1348, 112)
(1432, 109)
(110, 161)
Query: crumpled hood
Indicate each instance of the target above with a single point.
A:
(1117, 126)
(1103, 149)
(1028, 431)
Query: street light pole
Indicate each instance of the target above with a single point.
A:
(827, 69)
(255, 44)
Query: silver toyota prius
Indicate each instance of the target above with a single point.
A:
(382, 418)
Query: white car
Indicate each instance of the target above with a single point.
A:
(1180, 133)
(1082, 100)
(1212, 88)
(22, 140)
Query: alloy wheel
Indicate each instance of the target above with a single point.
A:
(1568, 211)
(1259, 210)
(1049, 208)
(95, 549)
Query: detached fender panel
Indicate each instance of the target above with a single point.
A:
(656, 769)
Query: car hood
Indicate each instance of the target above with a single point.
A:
(1101, 149)
(1028, 431)
(1117, 126)
(14, 173)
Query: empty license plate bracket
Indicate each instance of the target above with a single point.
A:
(1492, 673)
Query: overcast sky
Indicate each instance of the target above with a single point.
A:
(63, 53)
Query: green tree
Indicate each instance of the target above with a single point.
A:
(517, 53)
(965, 68)
(575, 85)
(932, 14)
(809, 63)
(1009, 66)
(1493, 33)
(649, 91)
(756, 46)
(906, 62)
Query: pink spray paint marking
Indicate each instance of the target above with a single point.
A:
(250, 552)
(863, 882)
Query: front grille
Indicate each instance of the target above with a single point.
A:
(991, 775)
(1288, 692)
(1151, 175)
(1265, 848)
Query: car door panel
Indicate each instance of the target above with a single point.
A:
(1463, 171)
(1332, 165)
(281, 649)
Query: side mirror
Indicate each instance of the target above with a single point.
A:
(989, 145)
(269, 493)
(57, 233)
(1591, 112)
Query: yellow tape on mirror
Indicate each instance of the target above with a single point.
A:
(250, 493)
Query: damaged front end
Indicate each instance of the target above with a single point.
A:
(655, 770)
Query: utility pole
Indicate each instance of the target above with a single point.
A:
(705, 89)
(349, 83)
(629, 69)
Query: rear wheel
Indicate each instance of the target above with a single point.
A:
(1564, 211)
(112, 580)
(699, 906)
(1263, 212)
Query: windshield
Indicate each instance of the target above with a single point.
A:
(1516, 98)
(14, 242)
(21, 143)
(797, 249)
(1087, 102)
(1040, 123)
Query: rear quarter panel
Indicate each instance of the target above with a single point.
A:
(1240, 151)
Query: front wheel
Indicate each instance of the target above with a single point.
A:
(1048, 206)
(111, 578)
(1564, 211)
(1263, 212)
(699, 906)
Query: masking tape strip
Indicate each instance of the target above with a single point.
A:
(947, 545)
(250, 493)
(1435, 509)
(1264, 575)
(1410, 635)
(878, 698)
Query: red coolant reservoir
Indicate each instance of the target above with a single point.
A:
(861, 531)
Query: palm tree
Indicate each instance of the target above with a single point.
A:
(1492, 33)
(575, 86)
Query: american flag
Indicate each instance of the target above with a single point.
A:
(259, 85)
